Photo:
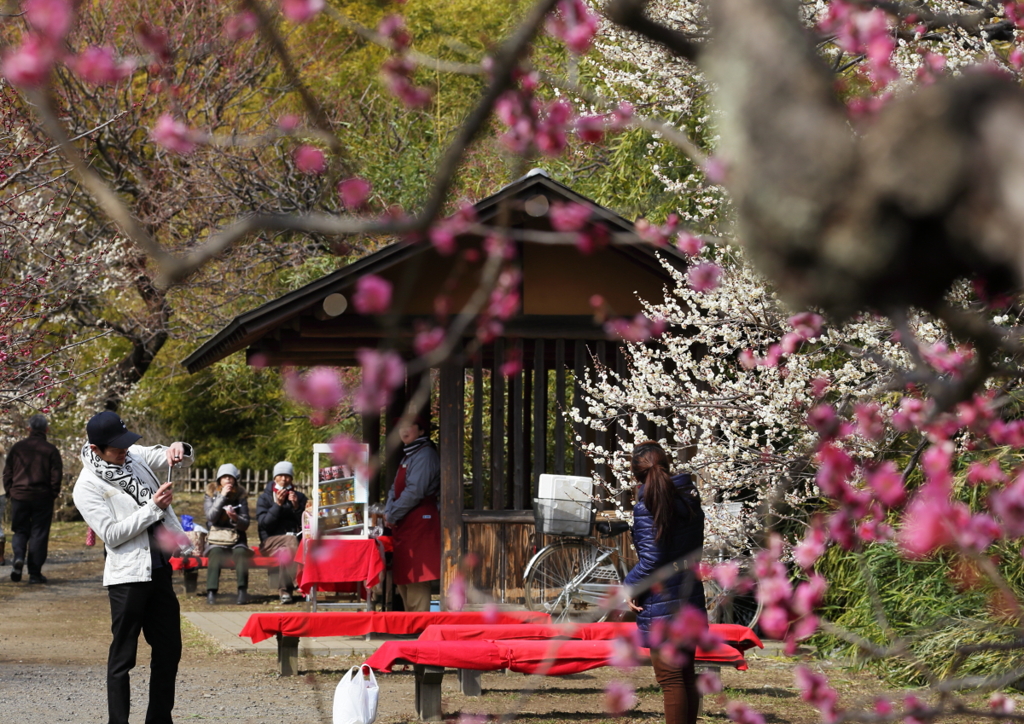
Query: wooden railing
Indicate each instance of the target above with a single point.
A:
(195, 480)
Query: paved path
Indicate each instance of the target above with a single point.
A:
(224, 628)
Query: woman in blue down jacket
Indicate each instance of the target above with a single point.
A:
(668, 533)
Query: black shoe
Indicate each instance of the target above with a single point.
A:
(243, 597)
(286, 598)
(211, 597)
(16, 571)
(37, 579)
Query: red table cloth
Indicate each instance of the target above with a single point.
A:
(550, 658)
(261, 626)
(330, 563)
(739, 637)
(180, 564)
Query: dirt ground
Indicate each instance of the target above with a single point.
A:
(53, 642)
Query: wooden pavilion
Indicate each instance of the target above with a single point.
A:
(495, 434)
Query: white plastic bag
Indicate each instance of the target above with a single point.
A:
(355, 699)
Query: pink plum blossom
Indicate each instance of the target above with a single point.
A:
(638, 329)
(397, 74)
(1008, 504)
(373, 295)
(619, 697)
(807, 325)
(301, 11)
(704, 277)
(310, 159)
(689, 244)
(241, 25)
(354, 192)
(393, 28)
(428, 340)
(29, 64)
(990, 472)
(574, 23)
(52, 18)
(725, 574)
(568, 216)
(456, 596)
(815, 690)
(708, 683)
(174, 135)
(623, 654)
(887, 483)
(740, 713)
(870, 424)
(811, 548)
(383, 372)
(347, 451)
(99, 67)
(591, 128)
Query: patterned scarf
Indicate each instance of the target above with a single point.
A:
(415, 445)
(133, 478)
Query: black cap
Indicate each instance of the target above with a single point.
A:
(107, 430)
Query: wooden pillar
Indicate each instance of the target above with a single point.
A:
(477, 439)
(540, 413)
(371, 436)
(560, 407)
(450, 441)
(498, 428)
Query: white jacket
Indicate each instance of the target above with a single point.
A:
(120, 522)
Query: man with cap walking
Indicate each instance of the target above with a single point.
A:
(279, 519)
(32, 477)
(120, 495)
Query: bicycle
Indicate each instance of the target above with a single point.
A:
(571, 578)
(741, 607)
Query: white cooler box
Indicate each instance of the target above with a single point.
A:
(563, 505)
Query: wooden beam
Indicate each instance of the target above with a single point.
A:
(450, 441)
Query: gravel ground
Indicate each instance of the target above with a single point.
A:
(54, 639)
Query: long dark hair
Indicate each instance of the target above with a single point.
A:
(650, 467)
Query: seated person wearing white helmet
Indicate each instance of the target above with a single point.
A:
(227, 516)
(279, 519)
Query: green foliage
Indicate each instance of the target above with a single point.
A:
(923, 604)
(232, 413)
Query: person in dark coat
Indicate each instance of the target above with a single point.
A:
(412, 513)
(668, 534)
(32, 477)
(279, 522)
(226, 505)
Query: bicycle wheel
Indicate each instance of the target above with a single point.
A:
(570, 579)
(726, 607)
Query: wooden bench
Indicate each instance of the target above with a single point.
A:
(289, 627)
(551, 657)
(191, 565)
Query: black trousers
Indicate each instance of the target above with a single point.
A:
(152, 609)
(30, 522)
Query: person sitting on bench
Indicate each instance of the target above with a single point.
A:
(226, 505)
(279, 521)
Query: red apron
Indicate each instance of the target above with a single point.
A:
(417, 540)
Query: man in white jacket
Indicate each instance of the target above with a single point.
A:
(122, 499)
